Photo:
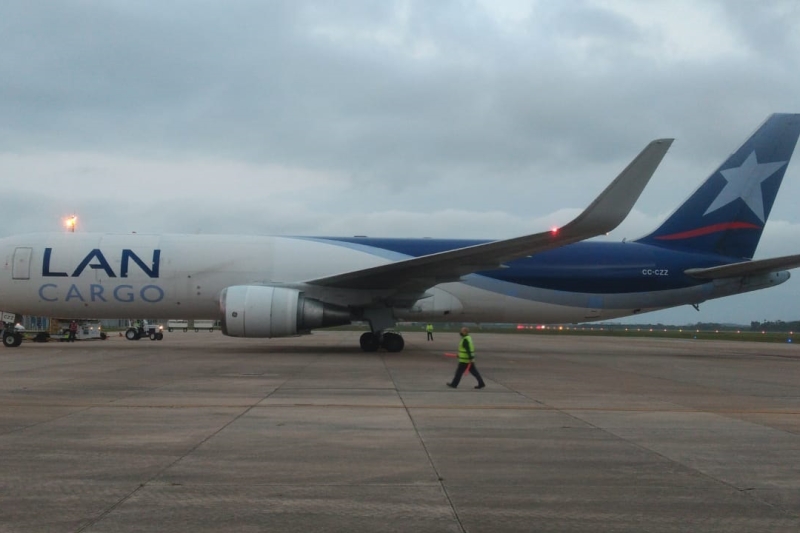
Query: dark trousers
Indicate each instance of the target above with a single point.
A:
(430, 335)
(71, 336)
(462, 367)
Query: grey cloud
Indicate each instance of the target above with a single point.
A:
(421, 109)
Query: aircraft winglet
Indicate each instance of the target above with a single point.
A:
(604, 214)
(612, 206)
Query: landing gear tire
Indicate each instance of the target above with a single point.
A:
(393, 342)
(132, 335)
(12, 340)
(370, 342)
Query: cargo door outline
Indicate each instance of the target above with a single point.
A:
(21, 267)
(594, 307)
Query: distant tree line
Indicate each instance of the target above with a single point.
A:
(767, 325)
(702, 326)
(776, 325)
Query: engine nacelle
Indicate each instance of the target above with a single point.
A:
(259, 311)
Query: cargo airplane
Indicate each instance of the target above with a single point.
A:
(284, 286)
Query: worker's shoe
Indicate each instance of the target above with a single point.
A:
(482, 385)
(451, 385)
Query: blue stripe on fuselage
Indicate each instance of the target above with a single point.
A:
(586, 267)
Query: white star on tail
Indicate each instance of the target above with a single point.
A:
(745, 182)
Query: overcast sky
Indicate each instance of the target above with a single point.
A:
(440, 118)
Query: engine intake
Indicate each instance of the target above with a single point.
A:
(263, 311)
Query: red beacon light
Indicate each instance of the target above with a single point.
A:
(554, 231)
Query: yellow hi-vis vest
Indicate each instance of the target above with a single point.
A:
(466, 349)
(429, 328)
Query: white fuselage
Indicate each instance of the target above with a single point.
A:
(192, 271)
(182, 276)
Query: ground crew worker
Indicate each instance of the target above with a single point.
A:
(73, 330)
(466, 360)
(429, 329)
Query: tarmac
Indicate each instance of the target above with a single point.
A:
(200, 433)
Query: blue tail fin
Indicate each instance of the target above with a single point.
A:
(727, 213)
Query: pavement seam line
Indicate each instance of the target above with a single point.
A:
(425, 449)
(182, 457)
(748, 492)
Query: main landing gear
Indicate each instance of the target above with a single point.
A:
(389, 340)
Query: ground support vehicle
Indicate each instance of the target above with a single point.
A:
(177, 324)
(87, 330)
(141, 329)
(12, 330)
(204, 324)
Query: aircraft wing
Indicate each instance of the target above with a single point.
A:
(605, 213)
(745, 268)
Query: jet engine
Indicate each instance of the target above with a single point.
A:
(263, 311)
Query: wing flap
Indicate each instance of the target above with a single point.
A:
(605, 213)
(746, 268)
